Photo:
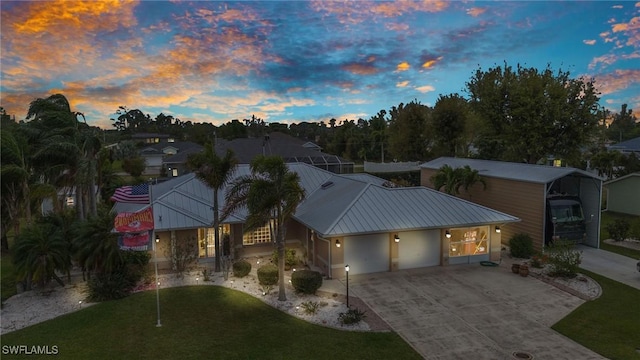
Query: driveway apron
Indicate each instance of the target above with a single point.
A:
(472, 312)
(616, 267)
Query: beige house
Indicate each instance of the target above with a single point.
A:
(345, 219)
(524, 190)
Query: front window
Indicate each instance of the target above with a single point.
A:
(206, 240)
(174, 172)
(469, 241)
(261, 235)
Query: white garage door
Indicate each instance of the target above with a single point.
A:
(419, 249)
(367, 253)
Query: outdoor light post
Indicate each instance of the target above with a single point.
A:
(346, 269)
(155, 255)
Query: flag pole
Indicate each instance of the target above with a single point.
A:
(155, 256)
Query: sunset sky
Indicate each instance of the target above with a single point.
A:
(292, 61)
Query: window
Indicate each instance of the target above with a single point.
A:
(261, 235)
(469, 241)
(207, 240)
(174, 172)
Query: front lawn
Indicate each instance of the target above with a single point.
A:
(608, 217)
(609, 325)
(201, 322)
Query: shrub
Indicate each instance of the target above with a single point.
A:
(521, 246)
(306, 281)
(310, 307)
(352, 316)
(109, 286)
(183, 254)
(539, 260)
(564, 261)
(241, 268)
(268, 274)
(290, 258)
(619, 229)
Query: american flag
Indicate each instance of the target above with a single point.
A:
(138, 194)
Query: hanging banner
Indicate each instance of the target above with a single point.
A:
(134, 241)
(134, 222)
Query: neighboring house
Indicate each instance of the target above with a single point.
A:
(152, 138)
(344, 219)
(66, 199)
(523, 190)
(623, 194)
(170, 156)
(627, 147)
(291, 149)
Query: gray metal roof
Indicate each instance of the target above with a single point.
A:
(508, 170)
(635, 174)
(371, 208)
(334, 205)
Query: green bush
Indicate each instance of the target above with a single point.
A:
(564, 260)
(619, 229)
(268, 274)
(521, 246)
(119, 282)
(306, 281)
(310, 307)
(109, 286)
(352, 316)
(241, 268)
(290, 258)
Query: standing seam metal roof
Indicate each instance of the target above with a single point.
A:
(509, 170)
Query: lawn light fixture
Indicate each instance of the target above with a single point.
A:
(338, 243)
(346, 269)
(447, 234)
(157, 238)
(498, 229)
(396, 238)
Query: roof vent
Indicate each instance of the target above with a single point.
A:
(326, 185)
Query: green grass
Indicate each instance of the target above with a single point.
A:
(609, 325)
(621, 250)
(201, 322)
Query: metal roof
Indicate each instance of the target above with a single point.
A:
(334, 205)
(371, 208)
(508, 170)
(635, 174)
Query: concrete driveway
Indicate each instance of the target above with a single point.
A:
(472, 312)
(617, 267)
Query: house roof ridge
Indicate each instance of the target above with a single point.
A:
(346, 208)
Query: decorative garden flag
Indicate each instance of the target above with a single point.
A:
(136, 222)
(134, 241)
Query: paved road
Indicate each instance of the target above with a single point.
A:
(472, 312)
(614, 266)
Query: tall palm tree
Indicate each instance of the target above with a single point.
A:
(271, 194)
(215, 171)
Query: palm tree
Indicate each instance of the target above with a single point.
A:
(215, 171)
(40, 251)
(96, 247)
(271, 194)
(470, 177)
(449, 178)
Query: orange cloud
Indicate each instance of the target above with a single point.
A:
(361, 69)
(589, 42)
(403, 66)
(402, 83)
(617, 80)
(354, 12)
(475, 12)
(426, 89)
(431, 63)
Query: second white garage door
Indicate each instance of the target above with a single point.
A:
(419, 249)
(367, 253)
